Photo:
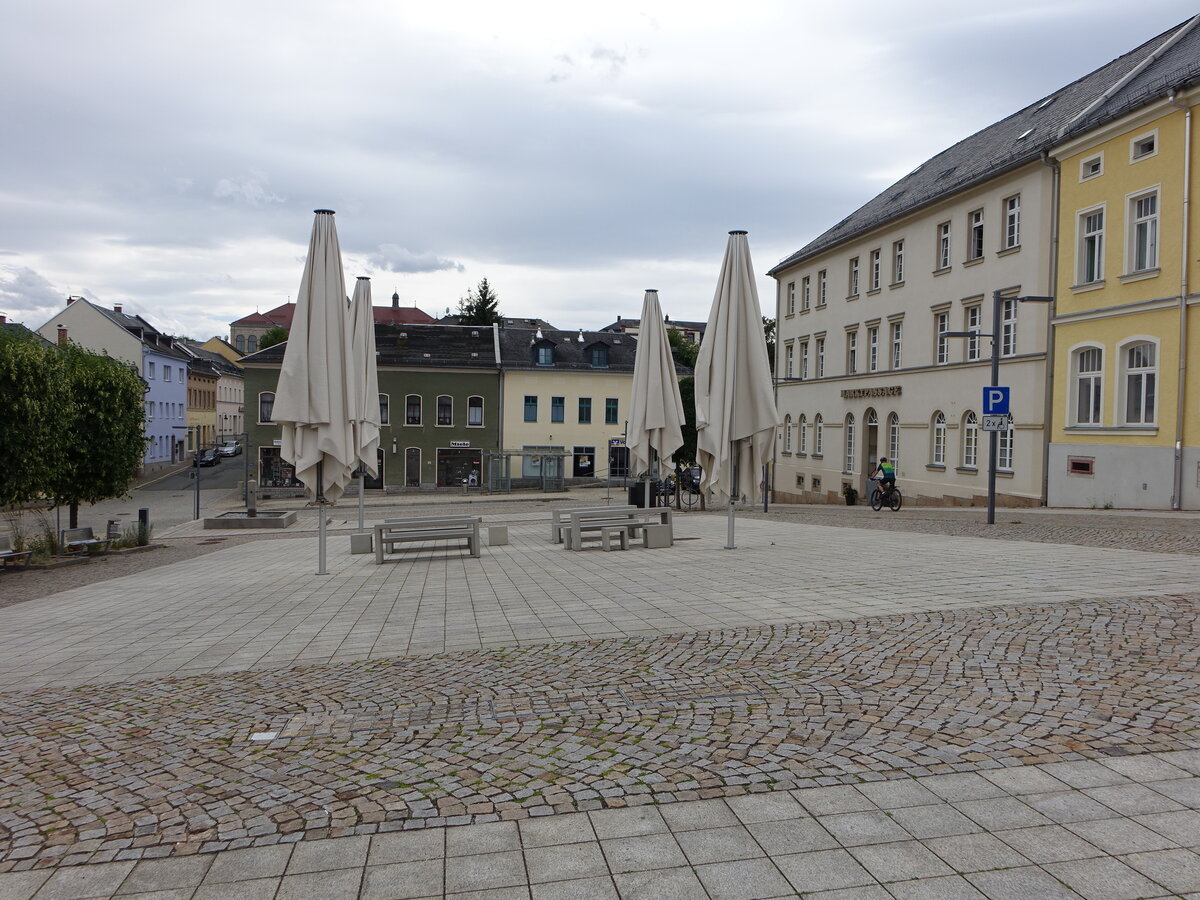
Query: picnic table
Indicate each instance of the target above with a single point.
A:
(605, 524)
(391, 532)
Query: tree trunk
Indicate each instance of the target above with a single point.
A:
(74, 517)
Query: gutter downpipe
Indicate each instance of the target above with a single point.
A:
(1177, 483)
(775, 387)
(499, 404)
(1048, 402)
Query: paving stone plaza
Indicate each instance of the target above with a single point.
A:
(845, 706)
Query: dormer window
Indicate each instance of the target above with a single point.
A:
(543, 354)
(598, 356)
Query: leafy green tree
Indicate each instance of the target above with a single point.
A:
(480, 306)
(683, 350)
(33, 393)
(686, 455)
(102, 429)
(276, 334)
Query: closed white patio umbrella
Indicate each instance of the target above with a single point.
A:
(655, 408)
(315, 401)
(736, 417)
(367, 419)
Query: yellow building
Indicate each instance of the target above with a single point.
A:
(1125, 429)
(566, 394)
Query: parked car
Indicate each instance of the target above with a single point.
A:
(206, 458)
(230, 448)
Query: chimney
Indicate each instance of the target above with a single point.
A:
(116, 307)
(3, 318)
(71, 299)
(395, 301)
(62, 336)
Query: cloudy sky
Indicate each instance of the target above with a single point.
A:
(168, 156)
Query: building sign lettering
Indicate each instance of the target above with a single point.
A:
(460, 443)
(892, 390)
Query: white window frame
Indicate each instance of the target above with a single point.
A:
(805, 293)
(941, 324)
(1004, 449)
(437, 421)
(1089, 244)
(876, 265)
(787, 433)
(1094, 387)
(1136, 155)
(791, 298)
(420, 410)
(789, 357)
(1086, 165)
(944, 243)
(897, 344)
(873, 348)
(851, 352)
(803, 360)
(801, 434)
(822, 288)
(820, 358)
(1012, 222)
(970, 440)
(894, 439)
(937, 455)
(1147, 377)
(149, 370)
(385, 409)
(898, 262)
(819, 435)
(1008, 326)
(848, 462)
(481, 406)
(852, 277)
(1136, 224)
(269, 420)
(974, 316)
(975, 235)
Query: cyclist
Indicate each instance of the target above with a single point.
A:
(887, 474)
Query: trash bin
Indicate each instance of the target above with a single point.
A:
(637, 494)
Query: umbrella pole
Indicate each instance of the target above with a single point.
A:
(733, 485)
(362, 477)
(321, 570)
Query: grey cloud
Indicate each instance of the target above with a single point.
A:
(616, 61)
(250, 189)
(22, 289)
(394, 258)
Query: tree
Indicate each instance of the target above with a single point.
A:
(683, 350)
(769, 334)
(34, 396)
(686, 455)
(480, 306)
(102, 431)
(276, 334)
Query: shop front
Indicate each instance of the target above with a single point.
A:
(458, 465)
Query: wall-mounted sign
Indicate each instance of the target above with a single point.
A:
(892, 390)
(460, 443)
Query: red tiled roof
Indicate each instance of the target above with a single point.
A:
(384, 315)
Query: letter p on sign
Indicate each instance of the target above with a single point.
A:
(995, 401)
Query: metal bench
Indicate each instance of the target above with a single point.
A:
(426, 528)
(19, 558)
(82, 540)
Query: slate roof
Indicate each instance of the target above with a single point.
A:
(637, 323)
(16, 329)
(139, 328)
(1169, 60)
(222, 365)
(404, 346)
(517, 350)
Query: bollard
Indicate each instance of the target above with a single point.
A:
(251, 499)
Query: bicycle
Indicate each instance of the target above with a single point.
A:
(891, 496)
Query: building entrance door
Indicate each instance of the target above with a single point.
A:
(870, 451)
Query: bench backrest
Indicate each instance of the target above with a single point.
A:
(559, 513)
(78, 534)
(619, 513)
(416, 521)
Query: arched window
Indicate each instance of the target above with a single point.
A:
(802, 434)
(266, 406)
(385, 409)
(938, 454)
(252, 344)
(849, 464)
(412, 409)
(1088, 366)
(894, 438)
(818, 435)
(1004, 449)
(475, 412)
(240, 343)
(1139, 382)
(970, 440)
(445, 409)
(787, 434)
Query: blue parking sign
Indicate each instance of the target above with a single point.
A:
(995, 401)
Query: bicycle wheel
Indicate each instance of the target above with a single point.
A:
(689, 498)
(876, 499)
(895, 500)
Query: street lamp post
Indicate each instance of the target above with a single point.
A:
(994, 436)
